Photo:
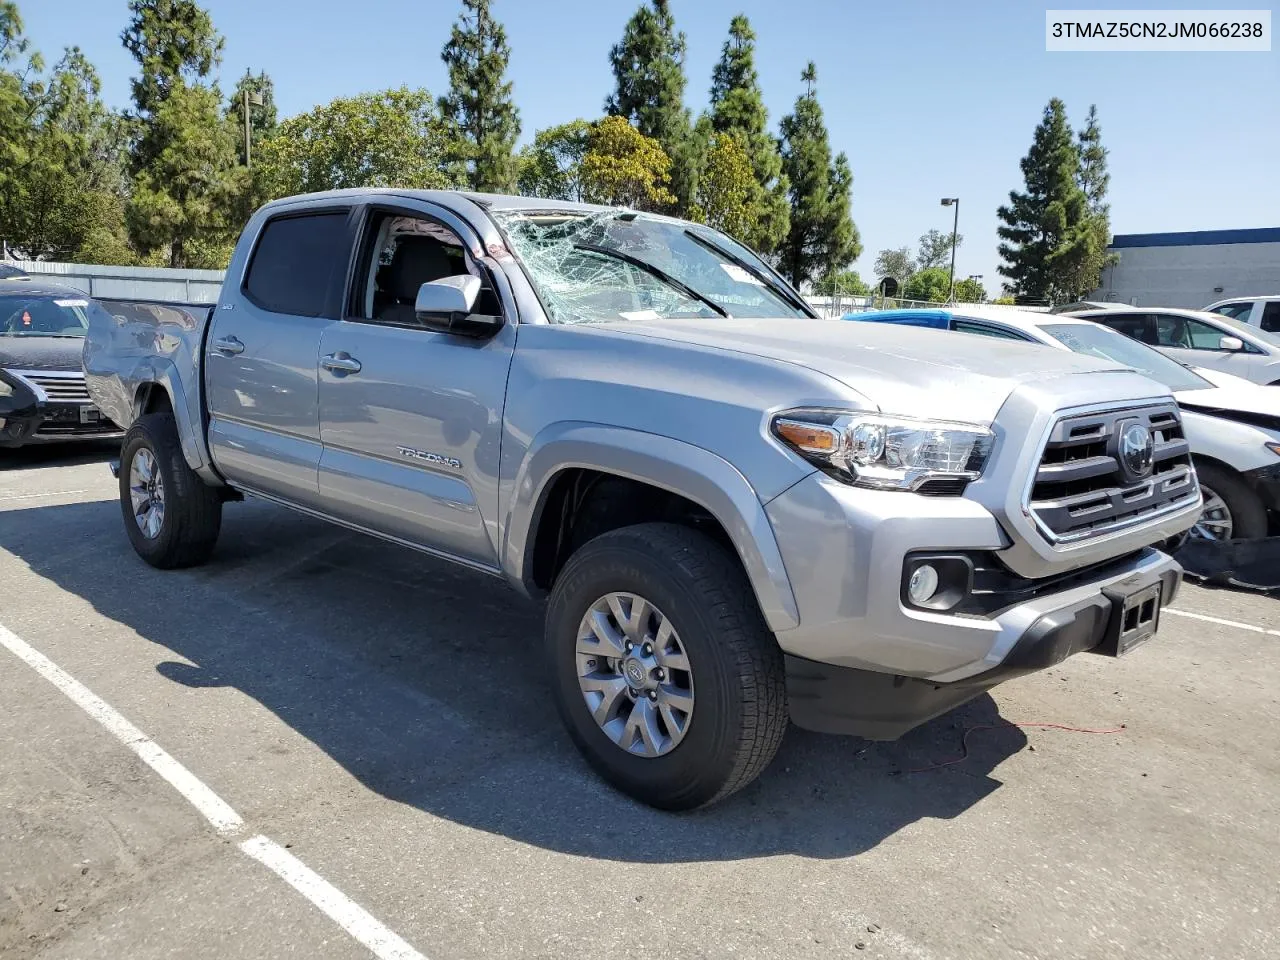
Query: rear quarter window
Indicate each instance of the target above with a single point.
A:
(295, 262)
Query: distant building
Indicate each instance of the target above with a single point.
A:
(1192, 269)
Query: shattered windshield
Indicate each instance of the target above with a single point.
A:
(621, 265)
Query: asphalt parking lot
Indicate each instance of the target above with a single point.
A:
(382, 717)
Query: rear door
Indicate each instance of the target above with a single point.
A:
(261, 354)
(410, 418)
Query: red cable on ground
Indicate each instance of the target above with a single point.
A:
(964, 741)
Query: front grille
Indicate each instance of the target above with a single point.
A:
(60, 388)
(1083, 488)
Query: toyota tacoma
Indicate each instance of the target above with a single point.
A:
(737, 514)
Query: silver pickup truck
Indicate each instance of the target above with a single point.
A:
(738, 514)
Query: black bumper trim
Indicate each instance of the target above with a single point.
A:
(882, 706)
(1266, 484)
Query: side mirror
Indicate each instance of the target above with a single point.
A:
(1230, 343)
(446, 305)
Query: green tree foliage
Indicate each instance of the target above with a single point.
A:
(969, 290)
(935, 249)
(182, 197)
(551, 166)
(728, 193)
(648, 70)
(622, 166)
(184, 155)
(822, 238)
(1050, 243)
(389, 138)
(1094, 181)
(483, 120)
(60, 153)
(262, 116)
(843, 283)
(932, 284)
(895, 263)
(737, 107)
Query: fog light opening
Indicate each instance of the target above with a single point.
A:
(923, 584)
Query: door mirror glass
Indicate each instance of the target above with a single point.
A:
(1230, 343)
(446, 305)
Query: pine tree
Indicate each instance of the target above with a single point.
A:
(1094, 178)
(1048, 238)
(184, 187)
(822, 239)
(737, 107)
(478, 107)
(648, 70)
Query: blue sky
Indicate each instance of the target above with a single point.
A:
(927, 99)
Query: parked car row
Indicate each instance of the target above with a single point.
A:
(1232, 425)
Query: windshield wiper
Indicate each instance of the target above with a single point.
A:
(653, 271)
(778, 291)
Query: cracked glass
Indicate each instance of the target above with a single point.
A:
(625, 266)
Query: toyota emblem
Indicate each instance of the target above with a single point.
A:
(1137, 451)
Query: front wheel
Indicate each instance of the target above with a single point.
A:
(1231, 510)
(665, 673)
(171, 516)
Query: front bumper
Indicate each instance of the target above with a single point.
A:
(26, 420)
(1265, 482)
(882, 706)
(862, 661)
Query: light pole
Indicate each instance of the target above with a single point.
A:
(955, 226)
(254, 99)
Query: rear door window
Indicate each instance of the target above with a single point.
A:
(1271, 317)
(1237, 310)
(1130, 324)
(987, 330)
(296, 261)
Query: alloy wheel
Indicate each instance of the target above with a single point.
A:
(634, 674)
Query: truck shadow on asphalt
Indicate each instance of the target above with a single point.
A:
(425, 682)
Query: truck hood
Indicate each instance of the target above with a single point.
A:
(903, 370)
(40, 353)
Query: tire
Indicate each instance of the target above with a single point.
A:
(736, 723)
(1248, 515)
(187, 526)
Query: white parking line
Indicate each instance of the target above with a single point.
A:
(1222, 623)
(331, 901)
(37, 496)
(337, 905)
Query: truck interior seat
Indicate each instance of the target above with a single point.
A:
(417, 260)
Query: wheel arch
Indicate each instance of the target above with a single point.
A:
(677, 468)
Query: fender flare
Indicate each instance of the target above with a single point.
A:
(159, 373)
(681, 468)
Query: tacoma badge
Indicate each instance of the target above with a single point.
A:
(429, 457)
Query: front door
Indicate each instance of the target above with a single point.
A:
(411, 419)
(260, 358)
(1198, 343)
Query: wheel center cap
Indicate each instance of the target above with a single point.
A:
(635, 672)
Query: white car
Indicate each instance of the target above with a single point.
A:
(1232, 425)
(1200, 339)
(1260, 312)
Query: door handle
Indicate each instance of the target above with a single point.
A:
(340, 363)
(229, 345)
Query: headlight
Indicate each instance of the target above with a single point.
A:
(1274, 448)
(886, 452)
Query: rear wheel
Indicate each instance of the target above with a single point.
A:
(171, 516)
(1231, 510)
(665, 673)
